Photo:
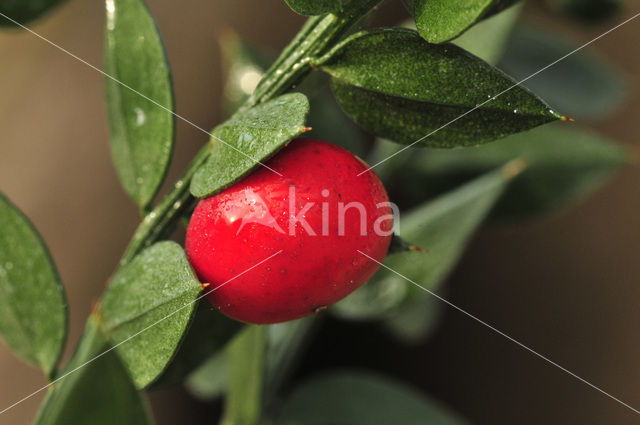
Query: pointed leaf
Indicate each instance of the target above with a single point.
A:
(441, 20)
(148, 307)
(582, 85)
(443, 227)
(248, 137)
(398, 86)
(564, 165)
(314, 7)
(142, 129)
(33, 309)
(24, 11)
(355, 398)
(96, 389)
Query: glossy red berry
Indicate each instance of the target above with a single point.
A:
(313, 219)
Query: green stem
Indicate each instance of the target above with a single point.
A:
(159, 221)
(319, 33)
(316, 36)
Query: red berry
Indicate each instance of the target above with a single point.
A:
(229, 233)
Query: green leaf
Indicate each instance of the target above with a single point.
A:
(488, 39)
(248, 137)
(353, 398)
(33, 309)
(147, 309)
(581, 85)
(398, 86)
(246, 356)
(94, 388)
(443, 227)
(140, 109)
(207, 335)
(441, 20)
(564, 165)
(24, 11)
(314, 7)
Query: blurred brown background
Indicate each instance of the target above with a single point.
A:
(568, 286)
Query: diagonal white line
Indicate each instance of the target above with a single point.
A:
(134, 335)
(499, 332)
(180, 117)
(503, 92)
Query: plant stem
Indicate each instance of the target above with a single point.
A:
(316, 36)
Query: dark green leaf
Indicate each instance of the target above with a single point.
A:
(246, 356)
(147, 308)
(314, 7)
(488, 39)
(564, 165)
(352, 398)
(398, 86)
(248, 137)
(443, 227)
(24, 11)
(207, 335)
(99, 392)
(441, 20)
(140, 115)
(33, 309)
(581, 85)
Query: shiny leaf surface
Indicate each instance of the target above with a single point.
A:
(248, 137)
(398, 86)
(140, 109)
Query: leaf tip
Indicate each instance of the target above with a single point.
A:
(418, 249)
(514, 168)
